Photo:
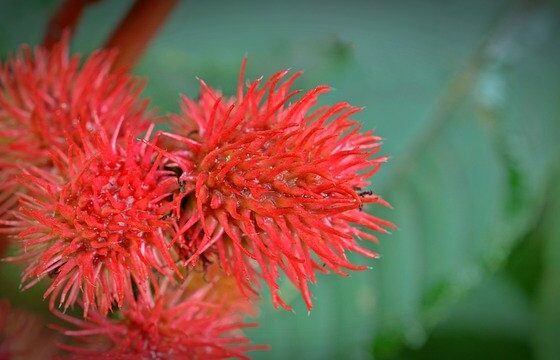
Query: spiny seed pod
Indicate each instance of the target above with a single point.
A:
(100, 224)
(198, 319)
(275, 184)
(46, 97)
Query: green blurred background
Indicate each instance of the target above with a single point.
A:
(467, 97)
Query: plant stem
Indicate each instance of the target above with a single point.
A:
(64, 19)
(137, 29)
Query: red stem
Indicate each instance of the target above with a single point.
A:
(138, 28)
(64, 19)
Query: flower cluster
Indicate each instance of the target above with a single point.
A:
(162, 238)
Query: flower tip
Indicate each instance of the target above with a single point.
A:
(202, 83)
(385, 204)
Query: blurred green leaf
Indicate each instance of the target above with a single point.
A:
(492, 321)
(525, 265)
(547, 336)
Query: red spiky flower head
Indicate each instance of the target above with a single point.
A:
(202, 318)
(46, 96)
(274, 183)
(100, 225)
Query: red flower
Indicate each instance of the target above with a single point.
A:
(23, 335)
(199, 319)
(101, 224)
(46, 97)
(275, 184)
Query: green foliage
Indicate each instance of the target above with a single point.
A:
(466, 95)
(547, 337)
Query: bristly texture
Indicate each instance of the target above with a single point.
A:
(46, 96)
(101, 224)
(23, 336)
(203, 320)
(274, 183)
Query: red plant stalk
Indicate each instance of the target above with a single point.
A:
(65, 19)
(138, 28)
